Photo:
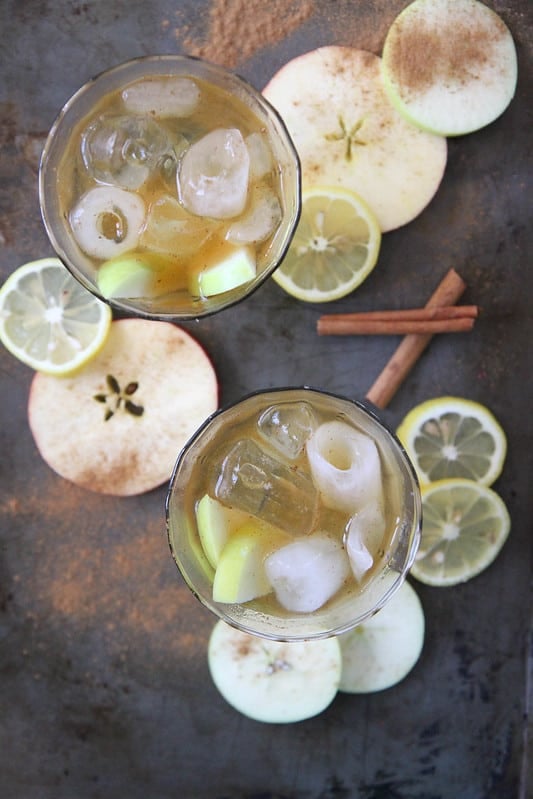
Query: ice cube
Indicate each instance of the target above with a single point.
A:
(253, 481)
(345, 466)
(287, 426)
(162, 97)
(306, 573)
(260, 221)
(124, 150)
(172, 230)
(260, 155)
(213, 175)
(364, 536)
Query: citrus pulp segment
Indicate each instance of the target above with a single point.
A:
(48, 320)
(335, 246)
(465, 526)
(453, 437)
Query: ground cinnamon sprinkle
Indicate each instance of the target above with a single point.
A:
(237, 29)
(423, 55)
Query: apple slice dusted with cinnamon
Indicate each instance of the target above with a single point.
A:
(348, 134)
(449, 65)
(117, 425)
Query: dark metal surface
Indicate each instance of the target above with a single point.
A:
(104, 688)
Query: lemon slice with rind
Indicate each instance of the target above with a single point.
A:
(465, 526)
(48, 320)
(450, 437)
(335, 246)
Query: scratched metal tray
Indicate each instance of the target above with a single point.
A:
(104, 688)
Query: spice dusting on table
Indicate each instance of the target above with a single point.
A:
(237, 29)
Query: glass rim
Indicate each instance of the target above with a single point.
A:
(214, 607)
(47, 211)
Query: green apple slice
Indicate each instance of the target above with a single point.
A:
(230, 267)
(215, 523)
(348, 134)
(138, 274)
(240, 574)
(382, 651)
(273, 681)
(449, 65)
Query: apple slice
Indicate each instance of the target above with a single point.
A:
(117, 425)
(381, 651)
(228, 268)
(139, 274)
(449, 65)
(273, 681)
(240, 574)
(215, 523)
(348, 134)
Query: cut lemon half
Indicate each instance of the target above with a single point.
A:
(335, 246)
(453, 437)
(465, 526)
(48, 320)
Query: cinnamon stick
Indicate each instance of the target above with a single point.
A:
(413, 345)
(448, 319)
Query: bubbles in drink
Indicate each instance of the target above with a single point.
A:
(251, 480)
(124, 150)
(287, 427)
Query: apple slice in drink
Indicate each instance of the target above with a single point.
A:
(140, 274)
(382, 650)
(273, 681)
(215, 523)
(348, 134)
(240, 574)
(449, 66)
(225, 269)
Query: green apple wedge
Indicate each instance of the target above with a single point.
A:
(449, 66)
(240, 574)
(273, 681)
(215, 523)
(231, 266)
(348, 133)
(381, 651)
(138, 274)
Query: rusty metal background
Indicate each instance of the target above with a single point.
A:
(104, 688)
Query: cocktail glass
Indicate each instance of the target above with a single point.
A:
(57, 180)
(195, 473)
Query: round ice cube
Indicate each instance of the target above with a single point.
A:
(307, 572)
(162, 97)
(123, 150)
(260, 155)
(345, 466)
(213, 175)
(106, 221)
(171, 229)
(260, 221)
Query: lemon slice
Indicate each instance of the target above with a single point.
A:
(335, 246)
(453, 437)
(48, 320)
(465, 526)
